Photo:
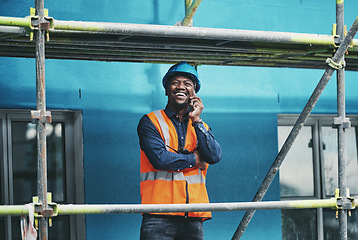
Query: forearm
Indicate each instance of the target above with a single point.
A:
(154, 148)
(162, 159)
(209, 148)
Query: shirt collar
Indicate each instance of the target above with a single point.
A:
(171, 114)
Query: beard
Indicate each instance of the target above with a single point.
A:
(182, 105)
(179, 105)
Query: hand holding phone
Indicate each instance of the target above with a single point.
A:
(195, 108)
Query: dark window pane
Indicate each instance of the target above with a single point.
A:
(59, 230)
(331, 225)
(24, 166)
(2, 193)
(299, 161)
(24, 161)
(2, 227)
(299, 224)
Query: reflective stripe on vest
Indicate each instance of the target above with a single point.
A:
(172, 176)
(164, 126)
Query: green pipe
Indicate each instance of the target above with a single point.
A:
(173, 31)
(195, 32)
(190, 12)
(16, 210)
(160, 208)
(187, 6)
(68, 209)
(14, 21)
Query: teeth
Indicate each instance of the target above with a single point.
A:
(180, 94)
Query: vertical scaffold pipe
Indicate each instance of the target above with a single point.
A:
(341, 114)
(41, 128)
(189, 12)
(296, 128)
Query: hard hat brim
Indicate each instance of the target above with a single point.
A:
(192, 77)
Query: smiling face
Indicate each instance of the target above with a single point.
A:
(179, 90)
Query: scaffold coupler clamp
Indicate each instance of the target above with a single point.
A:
(336, 38)
(38, 115)
(344, 202)
(179, 24)
(335, 65)
(40, 211)
(45, 24)
(345, 122)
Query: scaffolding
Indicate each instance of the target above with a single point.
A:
(144, 43)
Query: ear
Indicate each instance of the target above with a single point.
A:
(166, 91)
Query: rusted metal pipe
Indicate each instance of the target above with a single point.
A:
(189, 13)
(187, 6)
(296, 129)
(41, 128)
(341, 114)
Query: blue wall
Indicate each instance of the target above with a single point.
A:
(241, 103)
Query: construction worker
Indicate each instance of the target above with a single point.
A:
(176, 150)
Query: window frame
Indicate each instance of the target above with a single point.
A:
(316, 121)
(74, 172)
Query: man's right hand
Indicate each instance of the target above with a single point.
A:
(200, 163)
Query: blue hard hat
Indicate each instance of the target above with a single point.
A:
(183, 69)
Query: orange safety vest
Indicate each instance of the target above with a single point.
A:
(171, 187)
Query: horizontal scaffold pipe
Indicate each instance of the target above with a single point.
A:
(15, 21)
(194, 32)
(67, 209)
(12, 30)
(128, 29)
(16, 210)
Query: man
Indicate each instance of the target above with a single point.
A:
(176, 149)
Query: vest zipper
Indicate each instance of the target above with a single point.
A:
(187, 197)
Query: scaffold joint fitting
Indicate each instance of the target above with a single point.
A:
(38, 115)
(335, 65)
(51, 211)
(344, 202)
(40, 211)
(337, 121)
(45, 24)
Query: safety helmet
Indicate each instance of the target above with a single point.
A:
(183, 69)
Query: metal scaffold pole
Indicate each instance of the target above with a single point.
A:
(42, 117)
(190, 9)
(341, 123)
(69, 209)
(333, 63)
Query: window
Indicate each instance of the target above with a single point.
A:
(310, 171)
(18, 148)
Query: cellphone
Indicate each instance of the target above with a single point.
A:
(190, 109)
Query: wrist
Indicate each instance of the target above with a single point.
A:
(197, 121)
